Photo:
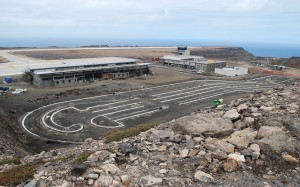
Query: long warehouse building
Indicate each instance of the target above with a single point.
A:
(75, 71)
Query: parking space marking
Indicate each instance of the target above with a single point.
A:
(96, 111)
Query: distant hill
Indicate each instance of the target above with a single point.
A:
(226, 53)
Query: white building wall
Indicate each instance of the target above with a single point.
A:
(237, 71)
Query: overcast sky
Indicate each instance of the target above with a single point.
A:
(276, 21)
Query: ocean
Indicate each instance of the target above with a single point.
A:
(258, 49)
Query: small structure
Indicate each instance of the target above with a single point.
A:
(261, 63)
(278, 67)
(197, 63)
(232, 71)
(74, 71)
(183, 50)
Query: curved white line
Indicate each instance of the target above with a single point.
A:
(106, 127)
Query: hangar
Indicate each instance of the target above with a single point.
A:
(75, 71)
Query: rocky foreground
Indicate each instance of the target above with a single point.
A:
(252, 141)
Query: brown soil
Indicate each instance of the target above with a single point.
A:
(3, 60)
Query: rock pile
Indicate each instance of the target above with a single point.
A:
(258, 135)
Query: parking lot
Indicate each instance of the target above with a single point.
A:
(76, 120)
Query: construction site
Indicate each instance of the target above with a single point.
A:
(85, 97)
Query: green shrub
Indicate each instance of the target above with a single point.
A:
(17, 175)
(117, 135)
(14, 160)
(82, 157)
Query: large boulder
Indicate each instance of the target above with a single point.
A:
(242, 138)
(279, 143)
(265, 131)
(215, 144)
(232, 114)
(206, 124)
(293, 125)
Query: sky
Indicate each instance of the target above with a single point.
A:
(270, 21)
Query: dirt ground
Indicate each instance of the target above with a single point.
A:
(139, 53)
(3, 60)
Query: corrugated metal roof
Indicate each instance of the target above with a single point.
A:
(82, 62)
(47, 71)
(181, 57)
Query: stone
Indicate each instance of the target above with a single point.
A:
(230, 165)
(127, 148)
(220, 155)
(279, 143)
(184, 153)
(78, 169)
(126, 180)
(255, 148)
(266, 131)
(93, 176)
(110, 168)
(198, 139)
(163, 171)
(242, 107)
(103, 181)
(249, 120)
(292, 125)
(162, 148)
(165, 134)
(232, 114)
(190, 144)
(177, 138)
(214, 144)
(150, 180)
(32, 183)
(253, 109)
(242, 138)
(193, 152)
(80, 179)
(203, 177)
(290, 158)
(174, 173)
(90, 182)
(264, 108)
(206, 124)
(237, 157)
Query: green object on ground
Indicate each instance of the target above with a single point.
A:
(218, 102)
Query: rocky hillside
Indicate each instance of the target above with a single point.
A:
(226, 53)
(251, 141)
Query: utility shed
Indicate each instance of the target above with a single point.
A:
(232, 71)
(74, 71)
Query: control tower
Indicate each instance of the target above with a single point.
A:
(183, 50)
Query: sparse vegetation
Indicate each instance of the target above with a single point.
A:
(117, 135)
(82, 157)
(17, 175)
(14, 160)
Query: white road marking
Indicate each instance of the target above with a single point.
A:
(177, 98)
(184, 93)
(107, 114)
(114, 107)
(137, 115)
(106, 127)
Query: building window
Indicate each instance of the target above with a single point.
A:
(69, 80)
(57, 82)
(63, 82)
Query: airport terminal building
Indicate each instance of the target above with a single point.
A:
(75, 71)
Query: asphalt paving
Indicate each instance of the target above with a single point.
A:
(74, 121)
